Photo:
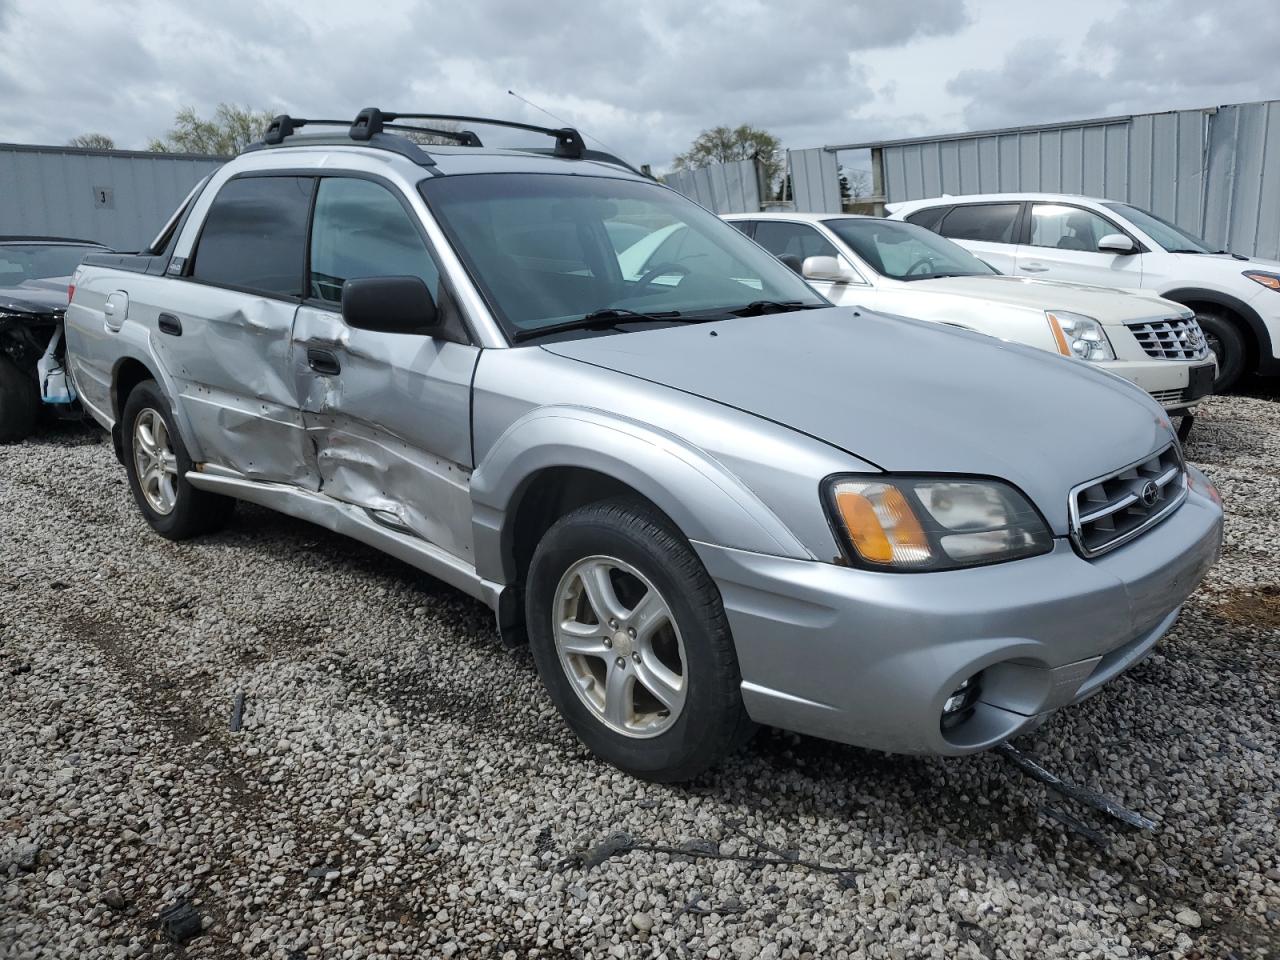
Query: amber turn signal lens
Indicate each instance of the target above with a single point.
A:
(1058, 337)
(1269, 280)
(891, 534)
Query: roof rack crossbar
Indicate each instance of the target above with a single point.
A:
(286, 126)
(568, 140)
(464, 138)
(372, 124)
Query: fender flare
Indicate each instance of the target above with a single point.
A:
(702, 497)
(1253, 320)
(130, 354)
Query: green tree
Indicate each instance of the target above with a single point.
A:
(722, 144)
(226, 133)
(93, 141)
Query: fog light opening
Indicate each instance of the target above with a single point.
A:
(959, 706)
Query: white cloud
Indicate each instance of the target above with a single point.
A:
(645, 78)
(1147, 55)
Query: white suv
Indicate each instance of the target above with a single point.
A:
(903, 269)
(1061, 237)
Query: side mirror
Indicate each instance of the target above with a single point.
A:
(1116, 243)
(827, 269)
(390, 305)
(791, 261)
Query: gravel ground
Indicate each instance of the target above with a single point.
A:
(401, 788)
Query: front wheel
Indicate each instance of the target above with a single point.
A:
(631, 640)
(157, 464)
(1226, 343)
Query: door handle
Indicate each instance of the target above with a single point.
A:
(323, 362)
(1034, 268)
(169, 324)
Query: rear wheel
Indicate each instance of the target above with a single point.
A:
(157, 464)
(631, 640)
(19, 403)
(1226, 343)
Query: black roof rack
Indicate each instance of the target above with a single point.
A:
(25, 238)
(371, 120)
(371, 125)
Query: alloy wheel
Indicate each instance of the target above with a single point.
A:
(155, 461)
(619, 644)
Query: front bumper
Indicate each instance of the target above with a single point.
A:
(1175, 384)
(870, 658)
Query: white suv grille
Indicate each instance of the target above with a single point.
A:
(1176, 339)
(1114, 509)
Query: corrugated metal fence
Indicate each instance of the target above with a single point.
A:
(815, 180)
(732, 187)
(117, 197)
(1214, 171)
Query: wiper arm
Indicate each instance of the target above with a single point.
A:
(758, 307)
(605, 317)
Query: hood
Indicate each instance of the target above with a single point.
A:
(908, 396)
(36, 296)
(1225, 265)
(1104, 304)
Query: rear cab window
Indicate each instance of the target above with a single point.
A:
(989, 222)
(254, 236)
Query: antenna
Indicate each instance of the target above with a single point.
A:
(560, 120)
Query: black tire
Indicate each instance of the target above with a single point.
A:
(194, 511)
(1227, 344)
(712, 722)
(19, 403)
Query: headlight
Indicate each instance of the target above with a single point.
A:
(1269, 280)
(1079, 336)
(930, 523)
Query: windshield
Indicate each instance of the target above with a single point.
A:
(1173, 239)
(547, 249)
(903, 251)
(20, 262)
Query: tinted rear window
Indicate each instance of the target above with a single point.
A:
(254, 236)
(993, 222)
(927, 218)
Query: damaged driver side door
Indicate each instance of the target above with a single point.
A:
(387, 414)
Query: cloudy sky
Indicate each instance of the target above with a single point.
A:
(643, 77)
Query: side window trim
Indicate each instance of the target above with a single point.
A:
(187, 271)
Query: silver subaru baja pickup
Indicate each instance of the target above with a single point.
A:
(706, 497)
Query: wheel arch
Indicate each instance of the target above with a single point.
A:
(127, 372)
(556, 459)
(1257, 337)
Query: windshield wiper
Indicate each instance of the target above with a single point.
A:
(605, 317)
(757, 308)
(1186, 250)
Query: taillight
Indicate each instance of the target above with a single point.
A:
(71, 292)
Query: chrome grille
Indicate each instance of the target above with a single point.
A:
(1178, 339)
(1114, 509)
(1168, 396)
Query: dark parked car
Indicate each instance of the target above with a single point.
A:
(34, 274)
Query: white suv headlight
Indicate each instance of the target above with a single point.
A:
(1079, 336)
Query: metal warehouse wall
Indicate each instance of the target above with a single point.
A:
(1214, 171)
(118, 197)
(732, 187)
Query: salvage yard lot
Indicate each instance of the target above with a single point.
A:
(401, 785)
